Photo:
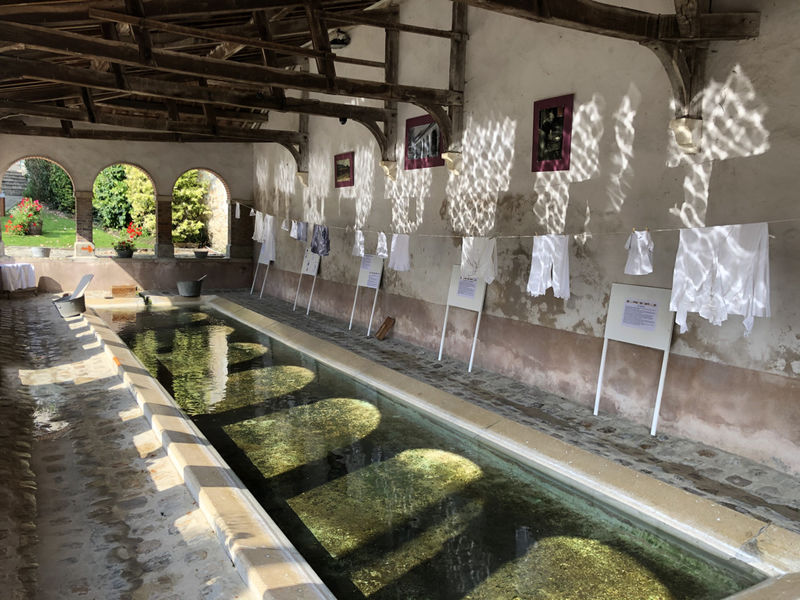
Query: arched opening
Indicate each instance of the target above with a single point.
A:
(201, 211)
(124, 208)
(38, 202)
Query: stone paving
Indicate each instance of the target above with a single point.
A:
(89, 495)
(733, 481)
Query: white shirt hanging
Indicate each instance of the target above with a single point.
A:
(721, 271)
(293, 230)
(358, 243)
(549, 266)
(399, 260)
(383, 246)
(258, 227)
(479, 258)
(640, 253)
(267, 253)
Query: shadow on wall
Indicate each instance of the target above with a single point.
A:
(552, 188)
(472, 194)
(733, 127)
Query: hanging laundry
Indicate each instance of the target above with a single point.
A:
(549, 266)
(285, 225)
(320, 242)
(721, 271)
(399, 260)
(640, 253)
(237, 211)
(358, 244)
(302, 231)
(258, 227)
(293, 230)
(252, 212)
(479, 258)
(383, 246)
(267, 253)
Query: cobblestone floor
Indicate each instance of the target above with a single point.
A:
(91, 506)
(733, 481)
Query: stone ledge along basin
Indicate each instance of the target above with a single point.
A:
(385, 502)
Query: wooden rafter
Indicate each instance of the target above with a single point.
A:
(322, 44)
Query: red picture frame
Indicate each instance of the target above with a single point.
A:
(552, 133)
(424, 145)
(343, 171)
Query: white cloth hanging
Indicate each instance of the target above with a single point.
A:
(640, 253)
(285, 225)
(293, 230)
(399, 260)
(721, 271)
(237, 213)
(479, 258)
(258, 227)
(267, 252)
(383, 246)
(302, 231)
(252, 212)
(549, 266)
(358, 243)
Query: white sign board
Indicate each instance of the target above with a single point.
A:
(369, 275)
(310, 263)
(466, 292)
(640, 315)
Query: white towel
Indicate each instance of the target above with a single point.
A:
(399, 259)
(358, 243)
(721, 271)
(549, 266)
(479, 258)
(383, 246)
(640, 253)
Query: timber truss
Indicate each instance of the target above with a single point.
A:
(213, 70)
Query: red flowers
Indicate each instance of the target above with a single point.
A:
(23, 216)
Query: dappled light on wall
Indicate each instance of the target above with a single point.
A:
(320, 182)
(408, 195)
(485, 173)
(262, 182)
(552, 188)
(624, 133)
(285, 182)
(732, 127)
(362, 192)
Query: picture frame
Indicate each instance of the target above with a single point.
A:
(343, 169)
(552, 133)
(424, 144)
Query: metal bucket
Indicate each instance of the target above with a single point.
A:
(190, 289)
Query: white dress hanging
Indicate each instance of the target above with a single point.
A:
(549, 266)
(383, 246)
(399, 260)
(640, 253)
(721, 271)
(267, 253)
(479, 258)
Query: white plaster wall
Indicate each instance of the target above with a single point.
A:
(625, 171)
(164, 162)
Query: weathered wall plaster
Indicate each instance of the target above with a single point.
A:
(740, 393)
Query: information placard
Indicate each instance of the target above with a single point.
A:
(640, 315)
(369, 275)
(310, 263)
(466, 292)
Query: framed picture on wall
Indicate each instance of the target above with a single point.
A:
(343, 169)
(423, 143)
(552, 133)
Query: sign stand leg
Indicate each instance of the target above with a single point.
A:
(474, 342)
(264, 282)
(353, 312)
(255, 274)
(444, 328)
(311, 295)
(660, 392)
(372, 314)
(600, 377)
(297, 293)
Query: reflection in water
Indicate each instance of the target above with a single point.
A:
(347, 513)
(387, 505)
(574, 568)
(303, 434)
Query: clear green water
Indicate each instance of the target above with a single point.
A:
(385, 504)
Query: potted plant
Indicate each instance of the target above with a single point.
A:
(126, 248)
(25, 218)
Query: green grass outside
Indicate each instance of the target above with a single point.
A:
(59, 232)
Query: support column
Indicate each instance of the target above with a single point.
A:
(240, 233)
(164, 247)
(84, 245)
